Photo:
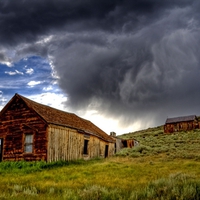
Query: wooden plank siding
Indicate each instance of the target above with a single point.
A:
(184, 123)
(31, 131)
(67, 144)
(179, 126)
(15, 124)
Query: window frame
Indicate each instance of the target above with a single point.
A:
(28, 143)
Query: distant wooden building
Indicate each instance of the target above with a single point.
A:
(184, 123)
(129, 143)
(123, 143)
(31, 131)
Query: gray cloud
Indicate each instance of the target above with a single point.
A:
(130, 60)
(4, 58)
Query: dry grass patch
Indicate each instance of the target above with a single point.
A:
(112, 178)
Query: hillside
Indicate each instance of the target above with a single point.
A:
(162, 167)
(153, 142)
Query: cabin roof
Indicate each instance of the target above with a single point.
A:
(62, 118)
(180, 119)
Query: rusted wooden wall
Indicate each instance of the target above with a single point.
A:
(17, 121)
(50, 142)
(67, 144)
(124, 143)
(128, 143)
(119, 144)
(180, 126)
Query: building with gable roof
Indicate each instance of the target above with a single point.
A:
(32, 131)
(183, 123)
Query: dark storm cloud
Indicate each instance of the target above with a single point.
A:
(24, 20)
(4, 58)
(130, 60)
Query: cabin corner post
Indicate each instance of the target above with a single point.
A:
(48, 129)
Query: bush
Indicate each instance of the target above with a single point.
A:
(24, 166)
(135, 151)
(177, 186)
(153, 141)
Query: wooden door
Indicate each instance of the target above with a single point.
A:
(106, 151)
(1, 149)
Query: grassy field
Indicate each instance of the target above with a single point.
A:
(162, 167)
(171, 146)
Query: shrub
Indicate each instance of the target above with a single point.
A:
(177, 186)
(27, 167)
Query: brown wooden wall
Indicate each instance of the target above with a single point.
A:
(180, 126)
(17, 121)
(67, 144)
(50, 142)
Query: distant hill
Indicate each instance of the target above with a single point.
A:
(146, 132)
(153, 142)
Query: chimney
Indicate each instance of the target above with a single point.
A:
(113, 134)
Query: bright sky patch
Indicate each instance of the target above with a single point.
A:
(31, 77)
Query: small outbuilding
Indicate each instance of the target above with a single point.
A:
(31, 131)
(183, 123)
(123, 143)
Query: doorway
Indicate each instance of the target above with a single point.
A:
(1, 149)
(106, 151)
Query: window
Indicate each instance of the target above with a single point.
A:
(28, 143)
(85, 148)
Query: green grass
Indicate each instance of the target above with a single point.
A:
(113, 178)
(170, 146)
(162, 167)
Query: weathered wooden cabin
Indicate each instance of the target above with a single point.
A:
(31, 131)
(129, 143)
(123, 143)
(184, 123)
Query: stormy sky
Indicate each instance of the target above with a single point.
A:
(124, 65)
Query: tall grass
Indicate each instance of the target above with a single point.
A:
(176, 186)
(161, 167)
(112, 178)
(34, 166)
(154, 142)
